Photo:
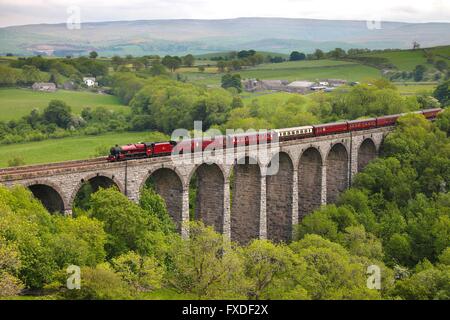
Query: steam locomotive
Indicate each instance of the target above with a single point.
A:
(159, 149)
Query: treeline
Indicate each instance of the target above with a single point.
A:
(57, 121)
(380, 98)
(395, 217)
(26, 71)
(163, 104)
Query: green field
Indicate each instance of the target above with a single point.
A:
(407, 60)
(72, 148)
(15, 103)
(410, 89)
(269, 97)
(293, 70)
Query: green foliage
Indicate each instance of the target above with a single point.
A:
(172, 63)
(58, 112)
(442, 93)
(232, 81)
(155, 206)
(79, 241)
(362, 101)
(419, 72)
(143, 273)
(269, 267)
(430, 284)
(128, 226)
(46, 243)
(16, 161)
(331, 272)
(297, 56)
(99, 283)
(189, 60)
(443, 121)
(205, 265)
(10, 264)
(166, 105)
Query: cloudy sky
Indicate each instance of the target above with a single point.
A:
(17, 12)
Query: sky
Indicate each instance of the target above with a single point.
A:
(19, 12)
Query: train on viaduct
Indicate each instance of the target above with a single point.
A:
(312, 172)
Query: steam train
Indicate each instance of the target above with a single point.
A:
(159, 149)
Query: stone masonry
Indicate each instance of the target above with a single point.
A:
(238, 199)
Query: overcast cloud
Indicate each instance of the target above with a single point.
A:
(18, 12)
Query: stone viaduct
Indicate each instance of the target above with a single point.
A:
(239, 199)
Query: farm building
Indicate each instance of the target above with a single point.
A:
(336, 82)
(44, 86)
(299, 86)
(253, 85)
(90, 81)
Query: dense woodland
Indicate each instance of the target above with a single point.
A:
(396, 216)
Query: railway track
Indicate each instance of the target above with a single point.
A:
(52, 166)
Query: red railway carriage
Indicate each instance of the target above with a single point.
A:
(158, 149)
(431, 113)
(387, 120)
(362, 124)
(330, 128)
(253, 138)
(192, 145)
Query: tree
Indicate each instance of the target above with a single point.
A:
(221, 66)
(31, 74)
(10, 263)
(93, 54)
(266, 265)
(99, 283)
(443, 121)
(58, 112)
(157, 68)
(143, 273)
(419, 72)
(155, 206)
(337, 53)
(232, 81)
(172, 63)
(189, 60)
(206, 265)
(442, 93)
(441, 65)
(331, 272)
(129, 227)
(318, 54)
(297, 56)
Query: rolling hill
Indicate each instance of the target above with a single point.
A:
(204, 36)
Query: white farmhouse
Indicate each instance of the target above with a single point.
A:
(90, 81)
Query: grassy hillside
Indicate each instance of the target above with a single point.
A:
(407, 60)
(15, 103)
(291, 70)
(72, 148)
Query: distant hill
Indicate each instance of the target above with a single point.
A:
(204, 36)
